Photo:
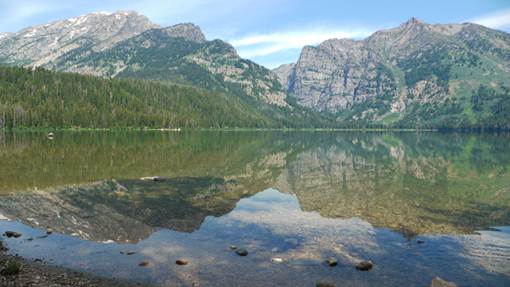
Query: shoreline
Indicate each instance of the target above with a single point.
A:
(39, 274)
(217, 130)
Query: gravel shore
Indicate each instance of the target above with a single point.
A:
(38, 274)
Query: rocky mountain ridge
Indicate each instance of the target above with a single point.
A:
(399, 76)
(127, 44)
(42, 44)
(415, 75)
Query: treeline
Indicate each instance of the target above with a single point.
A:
(42, 98)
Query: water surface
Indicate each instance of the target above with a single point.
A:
(423, 205)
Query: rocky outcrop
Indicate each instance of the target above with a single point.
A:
(188, 31)
(283, 73)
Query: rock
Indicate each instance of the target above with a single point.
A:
(2, 247)
(233, 247)
(127, 252)
(10, 234)
(152, 178)
(143, 263)
(323, 283)
(277, 260)
(438, 282)
(420, 241)
(332, 261)
(364, 265)
(242, 252)
(49, 231)
(275, 250)
(182, 262)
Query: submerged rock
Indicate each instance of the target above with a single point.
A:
(332, 261)
(438, 282)
(182, 262)
(323, 283)
(364, 265)
(277, 260)
(127, 252)
(10, 234)
(143, 263)
(242, 252)
(233, 247)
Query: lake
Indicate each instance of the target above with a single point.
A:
(418, 205)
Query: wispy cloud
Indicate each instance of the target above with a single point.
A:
(266, 44)
(497, 20)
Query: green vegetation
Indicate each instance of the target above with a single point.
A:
(45, 99)
(11, 268)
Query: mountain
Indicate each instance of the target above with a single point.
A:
(42, 44)
(417, 74)
(126, 44)
(180, 54)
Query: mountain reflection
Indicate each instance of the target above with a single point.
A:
(411, 183)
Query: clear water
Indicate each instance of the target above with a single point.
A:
(417, 205)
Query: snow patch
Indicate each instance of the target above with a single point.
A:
(31, 33)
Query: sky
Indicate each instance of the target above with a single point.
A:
(269, 32)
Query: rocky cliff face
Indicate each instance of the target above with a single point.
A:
(40, 45)
(395, 75)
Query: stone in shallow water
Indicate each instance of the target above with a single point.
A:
(143, 263)
(182, 262)
(332, 261)
(277, 260)
(323, 283)
(438, 282)
(10, 234)
(364, 265)
(233, 247)
(242, 252)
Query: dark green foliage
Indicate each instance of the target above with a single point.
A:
(46, 99)
(423, 65)
(41, 98)
(11, 268)
(492, 107)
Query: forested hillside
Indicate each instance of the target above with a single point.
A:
(41, 98)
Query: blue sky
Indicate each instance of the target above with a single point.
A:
(270, 32)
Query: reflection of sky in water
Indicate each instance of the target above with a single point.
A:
(271, 220)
